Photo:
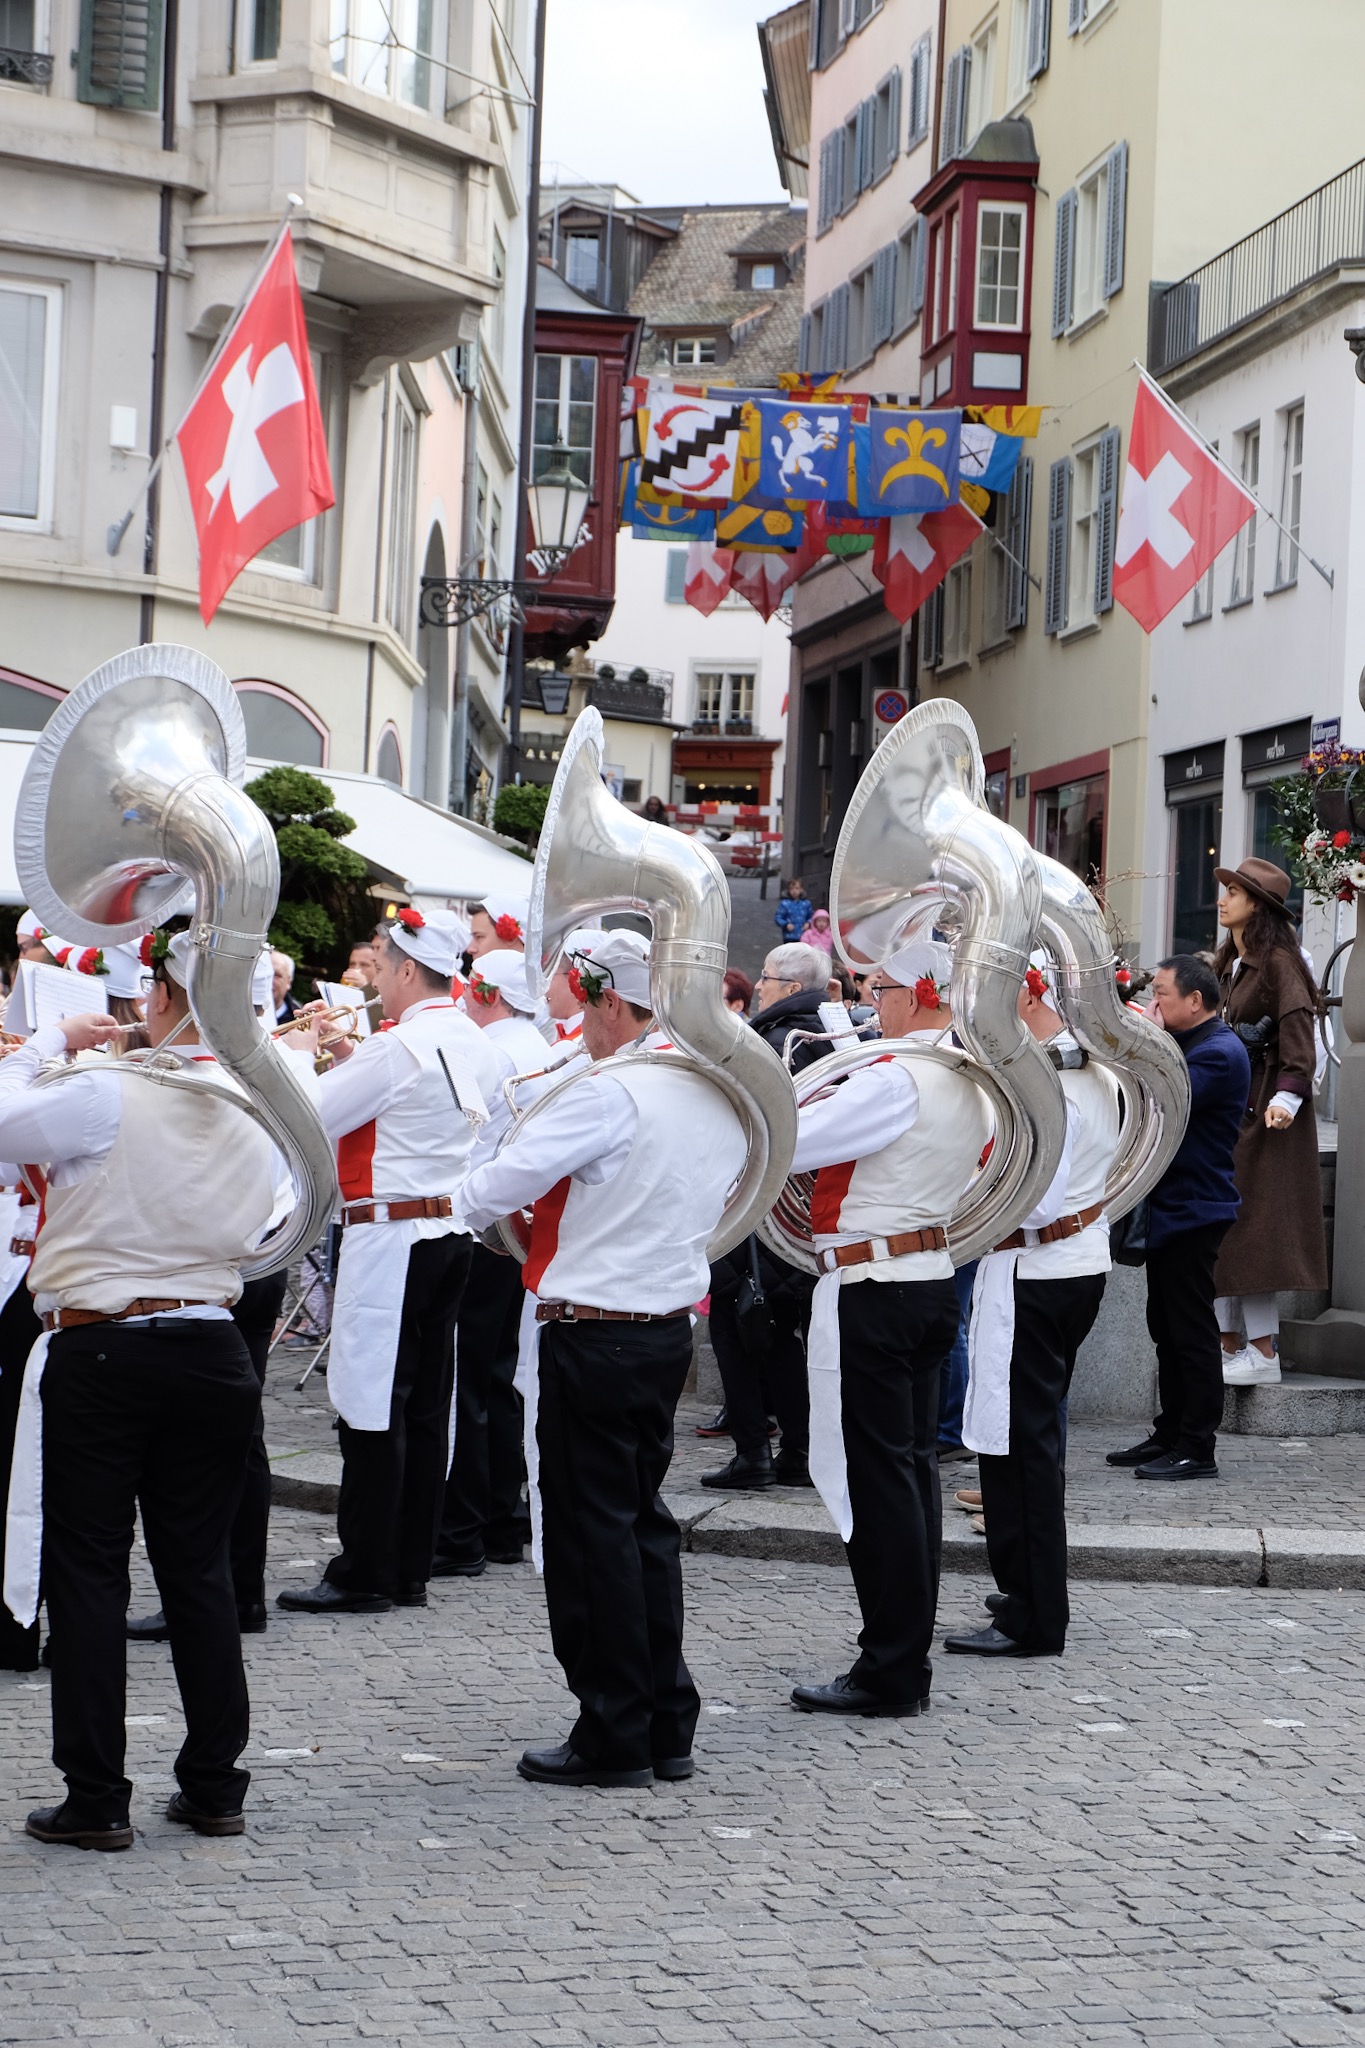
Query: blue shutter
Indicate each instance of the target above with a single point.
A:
(883, 294)
(1064, 262)
(827, 200)
(921, 266)
(892, 140)
(1075, 16)
(1106, 517)
(1039, 36)
(118, 61)
(675, 576)
(803, 347)
(1116, 209)
(954, 128)
(1058, 544)
(920, 81)
(931, 629)
(867, 143)
(836, 329)
(1018, 522)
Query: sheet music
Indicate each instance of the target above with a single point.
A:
(337, 993)
(44, 995)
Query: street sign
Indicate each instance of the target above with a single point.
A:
(1326, 732)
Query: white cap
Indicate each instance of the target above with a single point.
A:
(263, 982)
(436, 941)
(922, 959)
(29, 927)
(93, 961)
(621, 957)
(582, 935)
(511, 909)
(178, 958)
(128, 976)
(505, 971)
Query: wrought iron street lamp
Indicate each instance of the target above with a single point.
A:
(558, 503)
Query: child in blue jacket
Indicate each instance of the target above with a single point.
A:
(794, 911)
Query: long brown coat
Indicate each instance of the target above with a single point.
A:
(1277, 1241)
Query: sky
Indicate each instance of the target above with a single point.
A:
(664, 97)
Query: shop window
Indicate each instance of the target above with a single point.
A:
(1196, 834)
(1069, 825)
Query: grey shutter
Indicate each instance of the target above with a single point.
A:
(921, 265)
(892, 139)
(931, 629)
(831, 160)
(118, 63)
(1115, 214)
(836, 327)
(803, 348)
(1058, 544)
(675, 576)
(883, 294)
(851, 138)
(1039, 36)
(1106, 517)
(1064, 263)
(1075, 16)
(953, 134)
(867, 143)
(919, 92)
(1018, 522)
(813, 46)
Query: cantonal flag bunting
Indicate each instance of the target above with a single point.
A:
(914, 553)
(707, 578)
(1181, 507)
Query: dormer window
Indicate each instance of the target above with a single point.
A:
(580, 267)
(694, 348)
(764, 277)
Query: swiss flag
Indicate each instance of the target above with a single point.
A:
(252, 443)
(764, 578)
(914, 552)
(707, 578)
(1180, 510)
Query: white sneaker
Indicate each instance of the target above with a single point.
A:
(1250, 1368)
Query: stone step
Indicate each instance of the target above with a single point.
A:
(1300, 1404)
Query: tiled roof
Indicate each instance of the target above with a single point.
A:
(690, 285)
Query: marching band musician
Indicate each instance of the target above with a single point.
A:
(140, 1389)
(404, 1147)
(1034, 1302)
(483, 1516)
(565, 1009)
(895, 1146)
(629, 1171)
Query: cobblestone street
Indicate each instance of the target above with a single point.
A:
(1156, 1839)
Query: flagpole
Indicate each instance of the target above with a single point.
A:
(115, 535)
(1023, 567)
(1163, 398)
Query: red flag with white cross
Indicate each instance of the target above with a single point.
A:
(253, 442)
(1181, 507)
(913, 552)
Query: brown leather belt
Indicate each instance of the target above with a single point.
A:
(577, 1312)
(147, 1305)
(20, 1247)
(1053, 1233)
(873, 1248)
(396, 1212)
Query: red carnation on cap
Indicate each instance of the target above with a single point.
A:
(1341, 839)
(1035, 983)
(485, 992)
(144, 951)
(410, 919)
(576, 988)
(507, 926)
(91, 961)
(926, 992)
(63, 954)
(1123, 977)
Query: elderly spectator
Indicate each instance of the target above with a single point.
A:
(794, 910)
(1189, 1212)
(282, 978)
(789, 992)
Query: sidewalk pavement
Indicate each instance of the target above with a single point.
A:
(1284, 1512)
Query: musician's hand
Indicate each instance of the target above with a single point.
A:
(339, 1047)
(1277, 1118)
(84, 1033)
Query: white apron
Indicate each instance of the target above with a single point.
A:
(527, 1384)
(828, 1465)
(24, 1509)
(13, 1266)
(990, 1347)
(372, 1277)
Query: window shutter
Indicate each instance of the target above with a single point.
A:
(883, 294)
(831, 156)
(1115, 215)
(1058, 544)
(1039, 36)
(892, 139)
(836, 329)
(919, 92)
(850, 136)
(118, 63)
(1075, 16)
(1106, 516)
(1064, 263)
(952, 140)
(817, 8)
(848, 17)
(675, 576)
(931, 629)
(803, 349)
(1018, 522)
(867, 143)
(921, 265)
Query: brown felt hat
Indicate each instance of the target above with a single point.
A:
(1261, 879)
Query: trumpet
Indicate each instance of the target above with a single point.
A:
(319, 1017)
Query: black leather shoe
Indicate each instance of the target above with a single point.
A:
(989, 1642)
(995, 1601)
(955, 1454)
(844, 1696)
(719, 1425)
(325, 1598)
(507, 1556)
(564, 1766)
(1139, 1454)
(1170, 1467)
(251, 1619)
(205, 1823)
(150, 1628)
(458, 1567)
(22, 1660)
(673, 1769)
(59, 1824)
(791, 1468)
(744, 1475)
(414, 1595)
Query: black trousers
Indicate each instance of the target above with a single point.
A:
(19, 1332)
(483, 1504)
(1189, 1351)
(1023, 1496)
(750, 1377)
(893, 1339)
(255, 1315)
(613, 1581)
(160, 1414)
(393, 1480)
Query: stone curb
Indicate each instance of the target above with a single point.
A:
(778, 1528)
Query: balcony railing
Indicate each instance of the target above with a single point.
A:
(25, 67)
(642, 694)
(1305, 242)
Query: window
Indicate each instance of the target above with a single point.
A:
(1082, 517)
(118, 63)
(860, 318)
(763, 277)
(30, 341)
(931, 629)
(956, 87)
(1017, 82)
(581, 261)
(1000, 266)
(1080, 600)
(694, 348)
(921, 92)
(294, 556)
(831, 181)
(402, 513)
(18, 34)
(1196, 832)
(908, 289)
(279, 727)
(497, 312)
(851, 179)
(260, 31)
(1089, 248)
(1243, 587)
(565, 410)
(26, 704)
(675, 576)
(1069, 825)
(386, 46)
(1291, 498)
(824, 32)
(1091, 207)
(885, 117)
(980, 81)
(943, 312)
(1014, 548)
(827, 336)
(495, 537)
(388, 763)
(480, 515)
(725, 699)
(957, 614)
(1265, 819)
(1079, 12)
(1201, 598)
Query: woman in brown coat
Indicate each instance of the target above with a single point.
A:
(1277, 1242)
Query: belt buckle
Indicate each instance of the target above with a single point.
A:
(568, 1312)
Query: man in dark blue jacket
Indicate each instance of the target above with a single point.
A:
(1191, 1207)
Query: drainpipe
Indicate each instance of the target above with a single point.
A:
(459, 718)
(160, 322)
(516, 653)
